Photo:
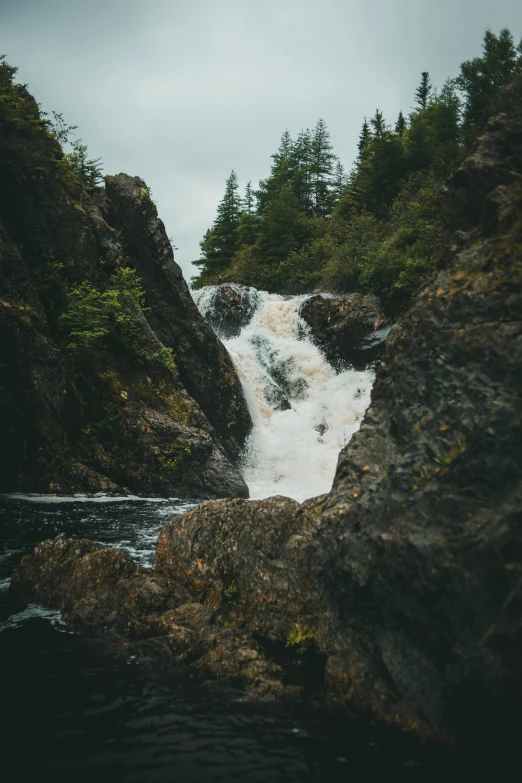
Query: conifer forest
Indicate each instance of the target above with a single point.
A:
(376, 227)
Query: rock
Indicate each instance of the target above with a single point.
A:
(100, 589)
(424, 576)
(119, 422)
(350, 328)
(245, 550)
(227, 308)
(204, 365)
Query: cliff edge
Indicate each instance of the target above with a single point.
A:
(109, 377)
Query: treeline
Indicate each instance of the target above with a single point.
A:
(377, 229)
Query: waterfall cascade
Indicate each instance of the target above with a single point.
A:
(303, 411)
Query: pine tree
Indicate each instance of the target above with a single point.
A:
(248, 200)
(247, 226)
(82, 173)
(60, 129)
(378, 125)
(285, 145)
(423, 91)
(321, 170)
(364, 140)
(281, 228)
(281, 173)
(400, 125)
(221, 241)
(339, 181)
(227, 221)
(302, 162)
(481, 79)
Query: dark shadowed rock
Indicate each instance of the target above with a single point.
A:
(350, 328)
(101, 589)
(120, 421)
(204, 365)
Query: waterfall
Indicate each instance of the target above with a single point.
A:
(303, 411)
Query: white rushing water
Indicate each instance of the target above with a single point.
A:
(303, 411)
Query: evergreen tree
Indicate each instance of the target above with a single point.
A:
(282, 228)
(247, 226)
(302, 177)
(321, 170)
(7, 72)
(400, 125)
(81, 172)
(364, 140)
(248, 201)
(378, 125)
(286, 144)
(481, 79)
(339, 181)
(60, 129)
(281, 173)
(423, 91)
(221, 241)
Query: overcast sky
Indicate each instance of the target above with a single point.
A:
(182, 91)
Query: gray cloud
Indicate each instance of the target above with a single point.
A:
(182, 91)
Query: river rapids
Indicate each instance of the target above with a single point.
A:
(303, 410)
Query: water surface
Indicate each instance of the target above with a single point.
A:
(73, 713)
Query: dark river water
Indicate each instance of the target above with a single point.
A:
(72, 713)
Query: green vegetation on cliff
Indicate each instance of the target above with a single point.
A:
(93, 309)
(377, 229)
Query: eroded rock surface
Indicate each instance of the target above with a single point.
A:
(406, 580)
(117, 421)
(350, 328)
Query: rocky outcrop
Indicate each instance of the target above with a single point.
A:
(350, 328)
(204, 366)
(148, 421)
(403, 585)
(228, 307)
(102, 590)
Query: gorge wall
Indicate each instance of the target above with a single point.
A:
(116, 420)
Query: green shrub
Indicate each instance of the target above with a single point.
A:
(95, 317)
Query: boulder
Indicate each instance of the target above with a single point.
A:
(228, 307)
(350, 328)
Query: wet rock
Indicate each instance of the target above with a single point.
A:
(228, 307)
(350, 328)
(145, 615)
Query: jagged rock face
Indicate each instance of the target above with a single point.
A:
(120, 423)
(350, 328)
(406, 578)
(425, 510)
(204, 365)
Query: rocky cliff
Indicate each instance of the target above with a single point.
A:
(153, 404)
(401, 589)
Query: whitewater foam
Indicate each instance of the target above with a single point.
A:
(303, 411)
